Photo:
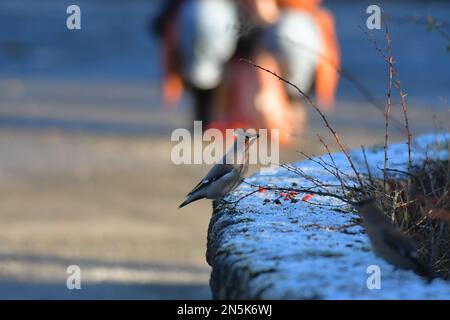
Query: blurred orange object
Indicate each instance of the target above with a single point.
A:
(266, 11)
(327, 76)
(172, 82)
(272, 100)
(307, 197)
(307, 5)
(252, 98)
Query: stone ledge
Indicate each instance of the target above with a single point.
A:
(300, 250)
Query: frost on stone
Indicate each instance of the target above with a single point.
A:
(312, 249)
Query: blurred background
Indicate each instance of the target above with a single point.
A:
(85, 170)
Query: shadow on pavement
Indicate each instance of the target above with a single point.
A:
(32, 276)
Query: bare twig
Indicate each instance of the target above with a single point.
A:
(303, 190)
(322, 115)
(344, 73)
(389, 60)
(387, 57)
(405, 113)
(338, 176)
(369, 172)
(302, 174)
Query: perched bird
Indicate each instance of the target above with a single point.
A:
(226, 175)
(389, 242)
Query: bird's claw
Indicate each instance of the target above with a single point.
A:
(221, 203)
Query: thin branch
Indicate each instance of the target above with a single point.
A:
(369, 172)
(338, 140)
(350, 78)
(386, 58)
(389, 60)
(338, 176)
(405, 113)
(301, 190)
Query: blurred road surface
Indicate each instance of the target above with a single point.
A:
(85, 170)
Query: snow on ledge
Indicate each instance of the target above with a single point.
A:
(302, 251)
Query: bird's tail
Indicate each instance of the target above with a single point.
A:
(424, 270)
(190, 198)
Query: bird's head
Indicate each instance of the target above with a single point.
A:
(239, 152)
(249, 136)
(365, 203)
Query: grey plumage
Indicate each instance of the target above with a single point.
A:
(390, 243)
(227, 175)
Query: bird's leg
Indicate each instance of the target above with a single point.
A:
(223, 201)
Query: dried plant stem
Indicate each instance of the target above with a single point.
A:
(389, 60)
(338, 176)
(301, 173)
(343, 73)
(322, 115)
(369, 172)
(405, 114)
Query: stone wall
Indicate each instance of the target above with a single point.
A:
(313, 249)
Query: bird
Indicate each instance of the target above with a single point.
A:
(226, 175)
(389, 242)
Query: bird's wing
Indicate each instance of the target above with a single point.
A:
(407, 248)
(399, 242)
(216, 172)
